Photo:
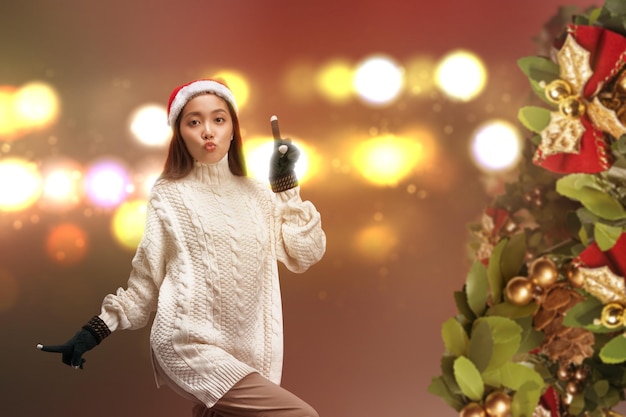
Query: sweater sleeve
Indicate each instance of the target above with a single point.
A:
(301, 242)
(130, 308)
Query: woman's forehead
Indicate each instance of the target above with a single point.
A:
(207, 102)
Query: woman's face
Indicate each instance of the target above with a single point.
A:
(207, 128)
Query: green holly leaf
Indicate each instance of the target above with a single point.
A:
(506, 309)
(477, 288)
(534, 118)
(540, 72)
(454, 337)
(601, 388)
(469, 379)
(513, 256)
(531, 338)
(611, 398)
(447, 373)
(481, 345)
(460, 298)
(504, 334)
(614, 351)
(577, 404)
(494, 272)
(586, 189)
(528, 388)
(439, 388)
(617, 7)
(606, 235)
(620, 145)
(584, 315)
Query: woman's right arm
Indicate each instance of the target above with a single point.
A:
(130, 308)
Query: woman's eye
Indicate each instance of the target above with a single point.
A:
(219, 120)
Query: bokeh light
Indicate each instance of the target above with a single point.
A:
(128, 223)
(62, 180)
(36, 104)
(386, 160)
(258, 152)
(298, 81)
(146, 172)
(496, 146)
(9, 290)
(420, 75)
(20, 184)
(334, 81)
(237, 83)
(378, 80)
(148, 124)
(66, 244)
(107, 182)
(9, 127)
(376, 242)
(461, 75)
(424, 147)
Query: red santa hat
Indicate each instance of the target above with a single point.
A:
(182, 94)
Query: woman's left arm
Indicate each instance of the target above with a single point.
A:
(301, 241)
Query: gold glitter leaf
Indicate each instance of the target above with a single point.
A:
(574, 62)
(605, 119)
(603, 284)
(562, 135)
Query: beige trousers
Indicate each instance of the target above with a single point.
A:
(252, 396)
(256, 396)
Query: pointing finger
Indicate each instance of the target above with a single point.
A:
(275, 129)
(53, 348)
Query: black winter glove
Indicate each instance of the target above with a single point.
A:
(282, 162)
(85, 339)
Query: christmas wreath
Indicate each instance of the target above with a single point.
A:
(540, 328)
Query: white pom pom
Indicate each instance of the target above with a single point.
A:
(283, 149)
(39, 346)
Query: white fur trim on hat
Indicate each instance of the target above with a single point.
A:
(197, 87)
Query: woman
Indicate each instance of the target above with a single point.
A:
(207, 265)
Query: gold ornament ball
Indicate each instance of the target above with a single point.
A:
(612, 315)
(564, 373)
(572, 108)
(580, 374)
(519, 291)
(543, 272)
(572, 388)
(473, 410)
(558, 90)
(575, 276)
(498, 404)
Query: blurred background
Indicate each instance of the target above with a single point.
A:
(406, 112)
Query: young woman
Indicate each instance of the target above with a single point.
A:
(207, 265)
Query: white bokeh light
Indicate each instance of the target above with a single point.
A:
(36, 104)
(148, 125)
(62, 180)
(496, 146)
(20, 184)
(107, 183)
(378, 80)
(461, 75)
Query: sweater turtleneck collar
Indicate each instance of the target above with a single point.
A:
(215, 174)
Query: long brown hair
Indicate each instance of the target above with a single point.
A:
(179, 161)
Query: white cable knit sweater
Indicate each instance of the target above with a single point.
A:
(207, 264)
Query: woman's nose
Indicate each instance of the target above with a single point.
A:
(207, 132)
